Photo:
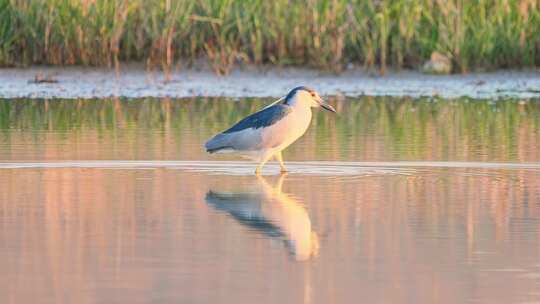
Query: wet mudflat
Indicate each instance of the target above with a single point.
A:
(394, 200)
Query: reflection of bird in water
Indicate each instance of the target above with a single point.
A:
(264, 134)
(272, 212)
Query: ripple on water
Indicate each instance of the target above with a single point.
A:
(328, 168)
(224, 167)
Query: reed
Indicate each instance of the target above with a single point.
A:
(325, 34)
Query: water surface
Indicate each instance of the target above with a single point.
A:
(390, 201)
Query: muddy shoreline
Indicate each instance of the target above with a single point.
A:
(135, 82)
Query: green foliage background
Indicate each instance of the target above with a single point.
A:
(326, 34)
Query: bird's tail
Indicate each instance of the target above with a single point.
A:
(217, 143)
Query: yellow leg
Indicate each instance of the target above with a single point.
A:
(261, 164)
(279, 184)
(273, 189)
(279, 157)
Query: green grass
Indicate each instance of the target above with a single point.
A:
(325, 34)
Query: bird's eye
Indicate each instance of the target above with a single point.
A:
(312, 94)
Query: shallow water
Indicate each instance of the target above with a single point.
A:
(391, 201)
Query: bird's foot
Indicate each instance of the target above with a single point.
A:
(258, 171)
(283, 170)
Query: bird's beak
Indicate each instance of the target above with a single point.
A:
(326, 106)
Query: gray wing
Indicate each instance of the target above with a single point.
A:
(247, 133)
(245, 140)
(245, 208)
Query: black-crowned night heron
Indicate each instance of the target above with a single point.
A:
(273, 212)
(264, 134)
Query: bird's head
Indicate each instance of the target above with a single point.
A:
(308, 97)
